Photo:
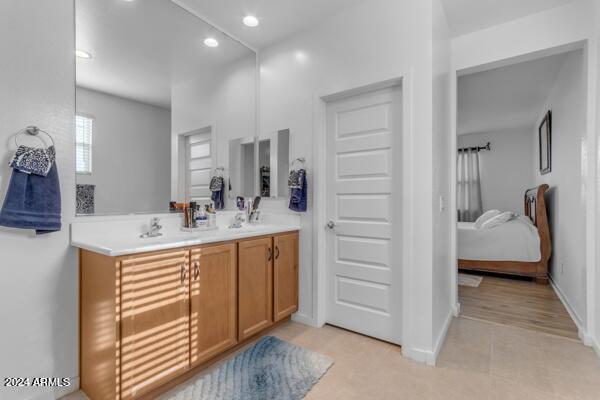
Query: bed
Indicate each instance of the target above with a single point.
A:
(518, 247)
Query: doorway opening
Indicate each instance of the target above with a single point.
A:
(521, 198)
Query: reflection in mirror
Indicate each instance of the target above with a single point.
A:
(273, 163)
(149, 96)
(242, 167)
(264, 167)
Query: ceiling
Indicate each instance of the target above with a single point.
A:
(466, 16)
(141, 48)
(507, 97)
(278, 18)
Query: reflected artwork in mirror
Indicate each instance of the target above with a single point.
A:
(156, 105)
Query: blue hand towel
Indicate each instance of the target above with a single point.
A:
(298, 195)
(218, 198)
(32, 202)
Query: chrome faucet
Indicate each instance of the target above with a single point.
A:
(155, 228)
(248, 210)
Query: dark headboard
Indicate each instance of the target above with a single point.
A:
(535, 208)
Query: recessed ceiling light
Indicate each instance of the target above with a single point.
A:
(250, 20)
(211, 42)
(83, 54)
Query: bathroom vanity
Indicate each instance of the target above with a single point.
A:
(153, 315)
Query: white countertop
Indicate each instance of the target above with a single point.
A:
(119, 246)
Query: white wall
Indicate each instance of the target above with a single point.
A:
(546, 30)
(367, 43)
(567, 196)
(225, 98)
(131, 160)
(442, 214)
(506, 170)
(39, 283)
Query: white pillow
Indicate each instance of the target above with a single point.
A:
(484, 217)
(498, 220)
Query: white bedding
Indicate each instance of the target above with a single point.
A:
(515, 240)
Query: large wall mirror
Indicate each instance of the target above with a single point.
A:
(159, 95)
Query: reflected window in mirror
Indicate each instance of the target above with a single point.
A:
(84, 130)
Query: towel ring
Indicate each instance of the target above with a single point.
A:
(301, 160)
(33, 131)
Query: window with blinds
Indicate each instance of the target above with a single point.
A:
(84, 127)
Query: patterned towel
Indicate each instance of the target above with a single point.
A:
(216, 183)
(296, 179)
(33, 160)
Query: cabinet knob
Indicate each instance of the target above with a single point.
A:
(196, 270)
(276, 252)
(269, 254)
(183, 274)
(330, 225)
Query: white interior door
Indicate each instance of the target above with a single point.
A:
(363, 266)
(198, 167)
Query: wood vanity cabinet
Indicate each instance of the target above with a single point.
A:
(155, 320)
(213, 301)
(285, 275)
(150, 320)
(255, 270)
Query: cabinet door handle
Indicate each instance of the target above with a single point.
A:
(269, 254)
(183, 274)
(276, 252)
(196, 270)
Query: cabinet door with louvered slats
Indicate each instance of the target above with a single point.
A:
(155, 320)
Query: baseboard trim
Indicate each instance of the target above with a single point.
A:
(305, 319)
(418, 355)
(581, 329)
(456, 310)
(441, 338)
(429, 357)
(596, 347)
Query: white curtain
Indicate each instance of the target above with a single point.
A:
(469, 202)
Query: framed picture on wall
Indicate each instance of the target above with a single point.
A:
(545, 141)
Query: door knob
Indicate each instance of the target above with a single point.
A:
(330, 225)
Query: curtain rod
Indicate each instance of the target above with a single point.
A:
(487, 147)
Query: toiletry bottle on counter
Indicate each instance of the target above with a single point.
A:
(201, 218)
(191, 215)
(210, 213)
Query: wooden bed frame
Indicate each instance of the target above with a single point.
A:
(535, 208)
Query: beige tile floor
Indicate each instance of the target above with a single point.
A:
(479, 360)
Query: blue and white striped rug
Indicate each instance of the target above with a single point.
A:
(272, 369)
